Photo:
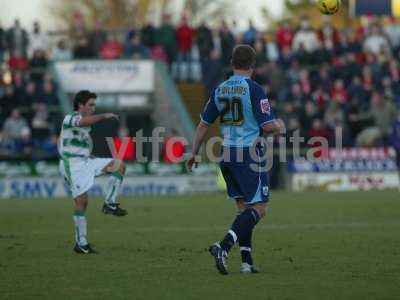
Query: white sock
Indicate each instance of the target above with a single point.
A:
(80, 228)
(113, 187)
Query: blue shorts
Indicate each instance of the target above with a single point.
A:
(246, 178)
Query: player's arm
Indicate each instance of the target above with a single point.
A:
(201, 132)
(263, 112)
(208, 116)
(90, 120)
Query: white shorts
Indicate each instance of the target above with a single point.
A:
(80, 172)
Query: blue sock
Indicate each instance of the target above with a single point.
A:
(245, 248)
(241, 228)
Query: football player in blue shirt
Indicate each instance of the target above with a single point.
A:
(245, 115)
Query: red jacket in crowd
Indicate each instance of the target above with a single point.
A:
(18, 63)
(111, 49)
(329, 37)
(184, 37)
(284, 37)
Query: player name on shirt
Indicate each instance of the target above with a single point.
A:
(234, 89)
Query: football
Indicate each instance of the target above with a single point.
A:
(329, 7)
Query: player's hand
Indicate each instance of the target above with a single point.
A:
(111, 116)
(190, 162)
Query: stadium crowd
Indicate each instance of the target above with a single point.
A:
(317, 79)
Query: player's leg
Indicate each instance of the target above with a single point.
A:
(116, 170)
(253, 185)
(81, 243)
(245, 243)
(219, 254)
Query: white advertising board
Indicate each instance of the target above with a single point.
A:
(102, 76)
(344, 181)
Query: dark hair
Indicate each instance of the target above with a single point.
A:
(243, 57)
(82, 97)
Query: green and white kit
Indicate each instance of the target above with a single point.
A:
(76, 165)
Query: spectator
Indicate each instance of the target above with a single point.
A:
(320, 97)
(19, 88)
(17, 61)
(392, 31)
(158, 53)
(24, 145)
(324, 77)
(40, 123)
(14, 128)
(216, 41)
(276, 78)
(184, 38)
(382, 114)
(305, 38)
(61, 51)
(284, 36)
(308, 114)
(297, 95)
(165, 37)
(357, 91)
(328, 35)
(38, 63)
(375, 41)
(147, 34)
(315, 134)
(135, 49)
(204, 41)
(250, 35)
(227, 42)
(17, 39)
(83, 50)
(338, 92)
(111, 48)
(31, 94)
(130, 34)
(367, 79)
(355, 125)
(305, 82)
(393, 70)
(261, 57)
(237, 32)
(38, 40)
(3, 44)
(49, 95)
(271, 48)
(97, 37)
(289, 112)
(319, 130)
(7, 101)
(334, 116)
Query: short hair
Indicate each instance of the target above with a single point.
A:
(82, 97)
(243, 57)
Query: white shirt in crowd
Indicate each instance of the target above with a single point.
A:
(375, 42)
(37, 41)
(307, 38)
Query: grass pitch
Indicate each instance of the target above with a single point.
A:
(310, 246)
